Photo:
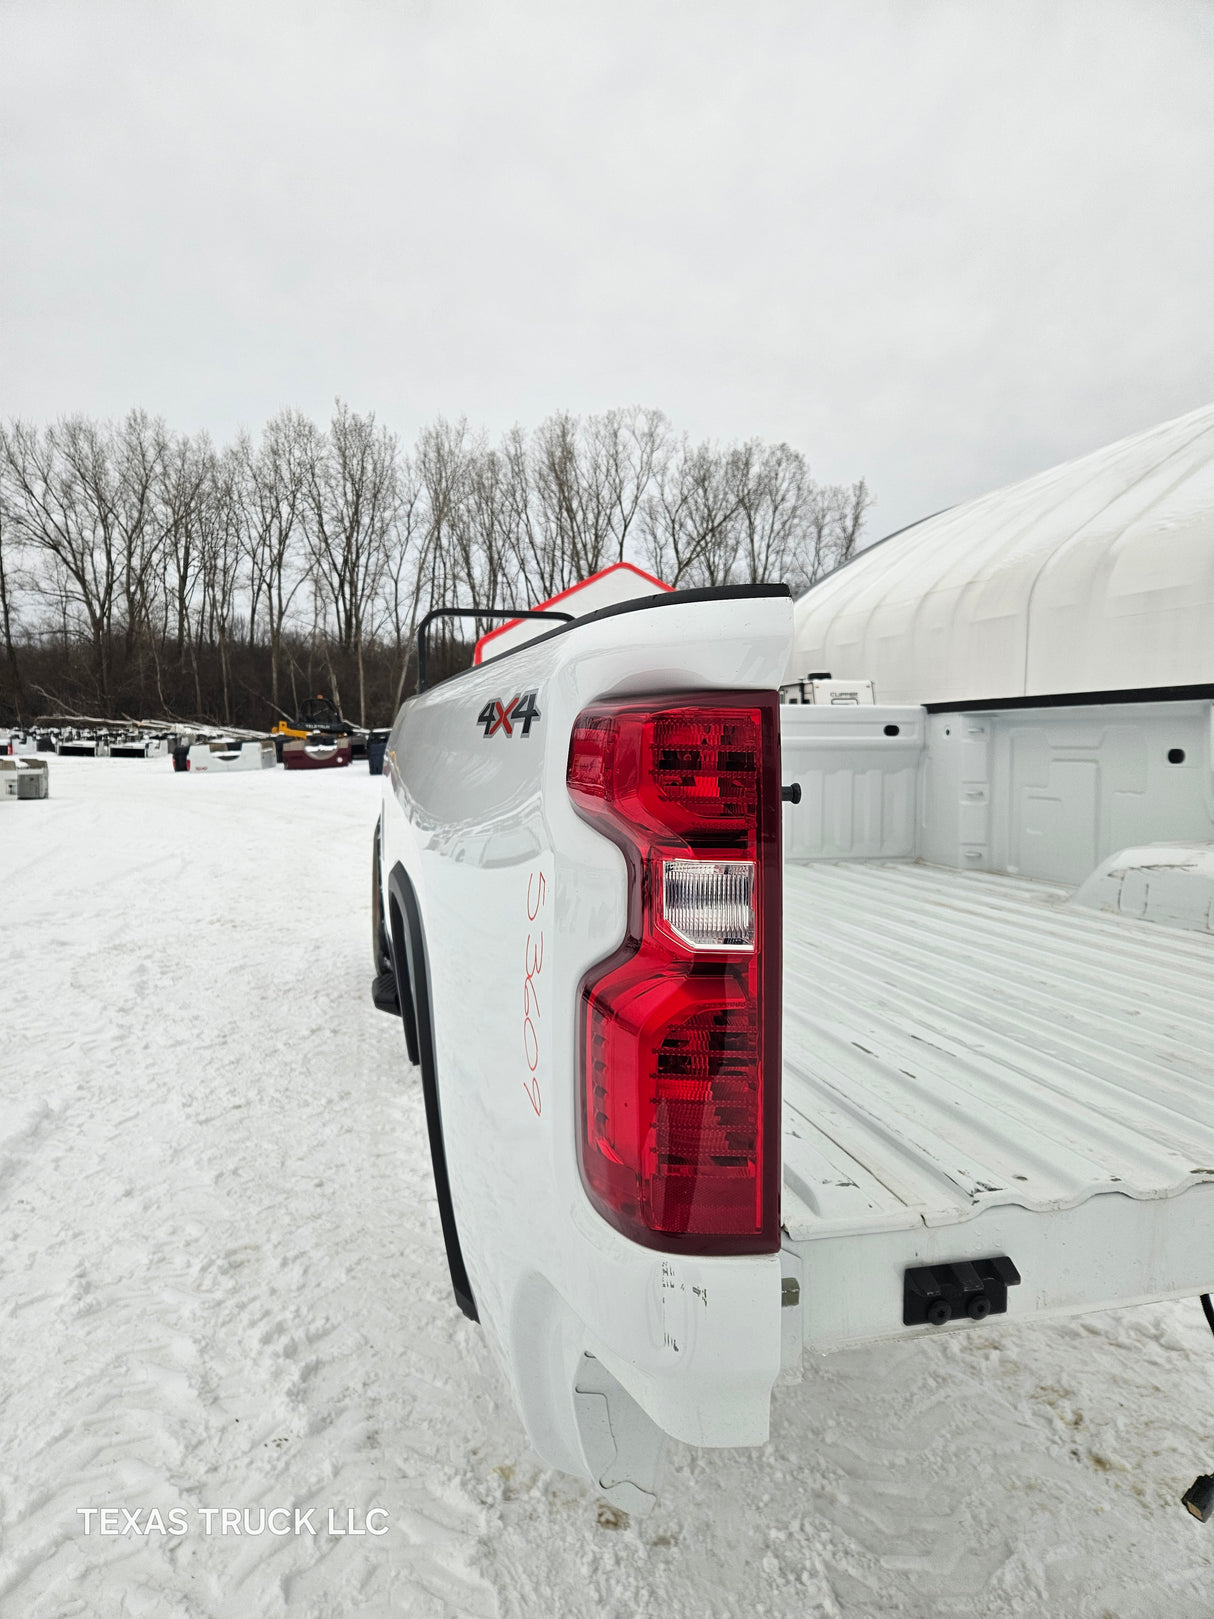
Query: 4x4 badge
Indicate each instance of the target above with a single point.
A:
(517, 714)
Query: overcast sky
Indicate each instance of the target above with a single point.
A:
(941, 245)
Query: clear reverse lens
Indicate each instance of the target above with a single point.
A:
(709, 904)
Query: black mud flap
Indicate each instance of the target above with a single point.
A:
(383, 993)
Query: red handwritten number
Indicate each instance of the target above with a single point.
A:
(537, 890)
(531, 1045)
(533, 966)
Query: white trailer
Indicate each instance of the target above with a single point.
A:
(22, 777)
(229, 754)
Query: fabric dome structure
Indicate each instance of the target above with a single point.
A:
(1092, 578)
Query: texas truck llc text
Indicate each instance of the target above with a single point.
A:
(233, 1521)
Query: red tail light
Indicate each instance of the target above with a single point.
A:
(680, 1027)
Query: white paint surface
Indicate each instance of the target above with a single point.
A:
(1095, 576)
(1171, 884)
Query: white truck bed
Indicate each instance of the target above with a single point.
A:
(966, 1053)
(980, 1079)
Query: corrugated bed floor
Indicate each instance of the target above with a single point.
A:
(957, 1039)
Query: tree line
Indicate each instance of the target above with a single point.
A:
(146, 573)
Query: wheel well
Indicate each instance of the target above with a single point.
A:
(409, 952)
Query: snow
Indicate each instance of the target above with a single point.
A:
(222, 1286)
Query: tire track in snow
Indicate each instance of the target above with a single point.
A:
(222, 1282)
(219, 1238)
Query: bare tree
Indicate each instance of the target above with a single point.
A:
(272, 484)
(406, 569)
(182, 481)
(7, 578)
(128, 552)
(220, 553)
(137, 452)
(61, 501)
(353, 491)
(852, 506)
(482, 532)
(572, 499)
(835, 521)
(577, 486)
(690, 527)
(631, 448)
(775, 491)
(443, 453)
(536, 568)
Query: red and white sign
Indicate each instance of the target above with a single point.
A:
(621, 582)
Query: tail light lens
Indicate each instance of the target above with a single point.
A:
(680, 1027)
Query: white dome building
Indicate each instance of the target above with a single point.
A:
(1094, 578)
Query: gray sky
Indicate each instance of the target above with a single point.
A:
(938, 244)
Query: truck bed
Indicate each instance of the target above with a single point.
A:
(960, 1046)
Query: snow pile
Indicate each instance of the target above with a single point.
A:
(222, 1286)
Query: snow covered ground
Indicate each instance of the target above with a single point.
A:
(222, 1286)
